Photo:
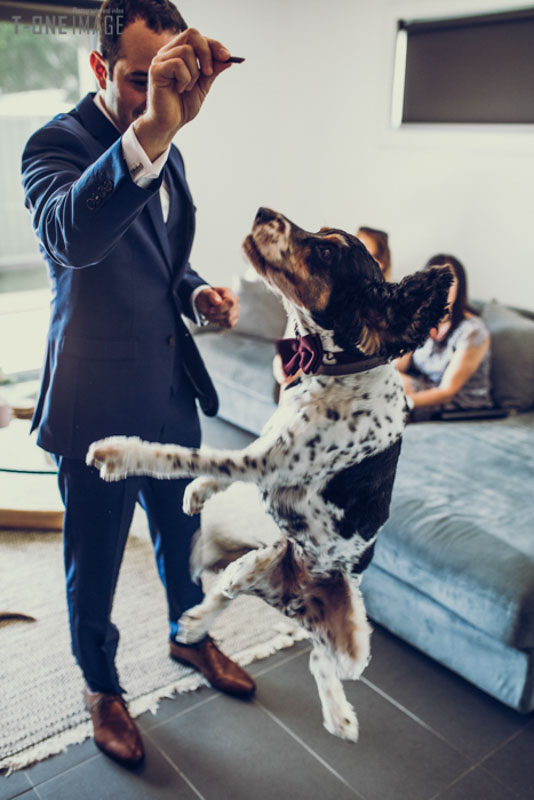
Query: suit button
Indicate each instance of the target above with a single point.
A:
(170, 341)
(108, 185)
(91, 205)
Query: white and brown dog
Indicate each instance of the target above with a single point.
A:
(326, 460)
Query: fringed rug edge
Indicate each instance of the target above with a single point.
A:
(286, 637)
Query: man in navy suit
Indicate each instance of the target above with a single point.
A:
(115, 220)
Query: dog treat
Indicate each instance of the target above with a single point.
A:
(234, 60)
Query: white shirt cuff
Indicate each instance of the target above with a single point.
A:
(142, 170)
(200, 319)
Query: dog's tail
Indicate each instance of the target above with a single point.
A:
(232, 523)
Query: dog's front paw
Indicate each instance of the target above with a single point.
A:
(116, 457)
(197, 493)
(192, 625)
(343, 722)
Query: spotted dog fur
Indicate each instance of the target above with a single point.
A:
(326, 460)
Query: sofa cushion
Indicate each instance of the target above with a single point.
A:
(505, 672)
(241, 368)
(262, 313)
(512, 356)
(460, 528)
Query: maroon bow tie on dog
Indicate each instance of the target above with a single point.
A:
(305, 353)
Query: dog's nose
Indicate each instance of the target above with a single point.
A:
(265, 215)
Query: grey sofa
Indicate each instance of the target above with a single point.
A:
(453, 571)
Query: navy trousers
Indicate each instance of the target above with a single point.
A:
(97, 520)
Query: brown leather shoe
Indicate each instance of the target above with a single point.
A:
(221, 672)
(115, 732)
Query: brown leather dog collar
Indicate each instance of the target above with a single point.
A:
(349, 367)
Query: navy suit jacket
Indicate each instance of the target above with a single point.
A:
(120, 282)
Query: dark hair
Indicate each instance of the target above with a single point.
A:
(115, 15)
(383, 253)
(461, 304)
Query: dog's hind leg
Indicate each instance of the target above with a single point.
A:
(342, 651)
(241, 576)
(352, 641)
(339, 716)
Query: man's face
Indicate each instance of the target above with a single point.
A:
(125, 93)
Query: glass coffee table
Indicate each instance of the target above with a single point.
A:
(29, 495)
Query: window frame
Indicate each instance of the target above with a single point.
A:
(450, 17)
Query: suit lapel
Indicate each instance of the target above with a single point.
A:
(176, 184)
(177, 171)
(95, 122)
(176, 174)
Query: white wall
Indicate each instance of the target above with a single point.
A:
(303, 126)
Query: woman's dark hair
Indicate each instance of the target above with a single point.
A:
(383, 253)
(461, 304)
(115, 15)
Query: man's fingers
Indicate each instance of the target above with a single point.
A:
(208, 302)
(225, 292)
(171, 74)
(179, 65)
(228, 298)
(203, 53)
(199, 44)
(219, 51)
(213, 298)
(189, 60)
(220, 305)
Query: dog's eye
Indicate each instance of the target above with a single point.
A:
(325, 254)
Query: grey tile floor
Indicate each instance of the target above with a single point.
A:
(425, 734)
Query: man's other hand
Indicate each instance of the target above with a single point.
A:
(219, 305)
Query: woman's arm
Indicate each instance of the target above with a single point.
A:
(462, 366)
(404, 363)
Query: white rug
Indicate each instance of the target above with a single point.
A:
(41, 708)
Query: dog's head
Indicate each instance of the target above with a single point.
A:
(331, 276)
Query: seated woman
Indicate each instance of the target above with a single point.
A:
(452, 369)
(377, 243)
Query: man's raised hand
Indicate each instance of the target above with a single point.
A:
(180, 76)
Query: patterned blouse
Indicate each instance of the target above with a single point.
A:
(432, 359)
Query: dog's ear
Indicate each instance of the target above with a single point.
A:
(388, 319)
(401, 315)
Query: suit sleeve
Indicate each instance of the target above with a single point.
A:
(79, 212)
(191, 280)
